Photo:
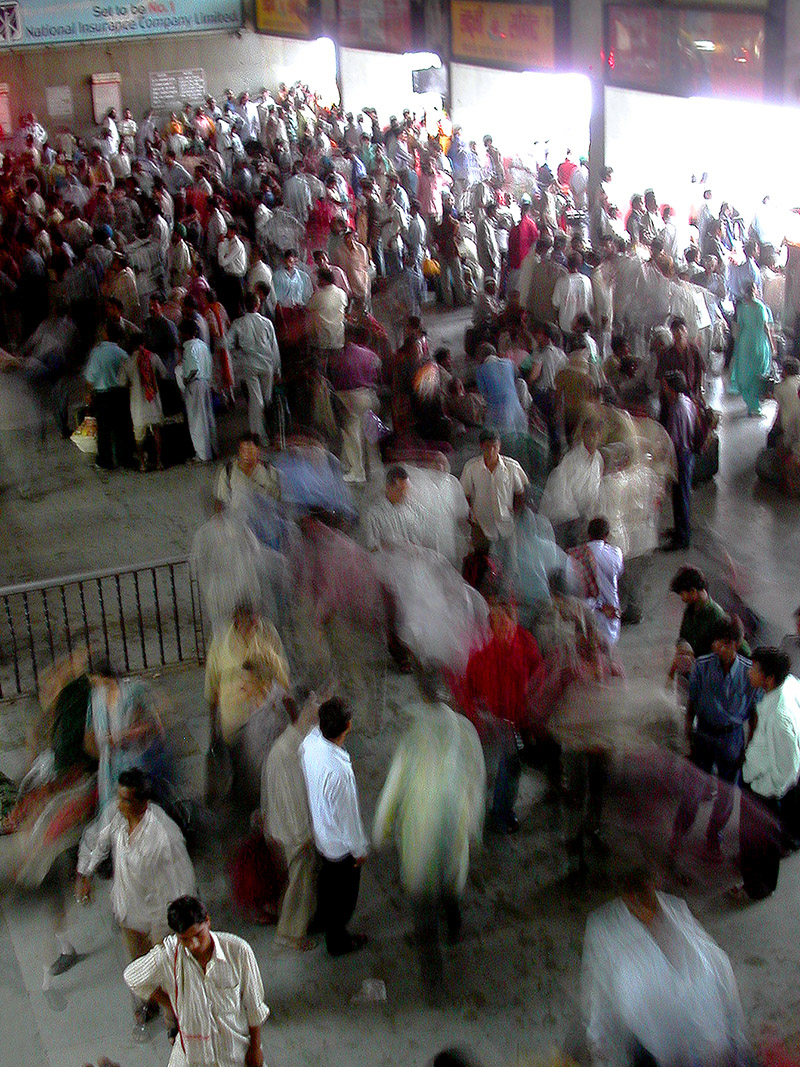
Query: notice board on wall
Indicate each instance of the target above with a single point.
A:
(5, 110)
(168, 88)
(106, 93)
(59, 103)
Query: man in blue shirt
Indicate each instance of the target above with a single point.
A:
(721, 704)
(292, 286)
(109, 400)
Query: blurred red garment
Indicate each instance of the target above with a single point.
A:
(503, 676)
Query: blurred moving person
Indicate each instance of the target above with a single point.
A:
(433, 799)
(655, 988)
(151, 868)
(501, 681)
(284, 806)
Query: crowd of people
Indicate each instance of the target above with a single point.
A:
(291, 249)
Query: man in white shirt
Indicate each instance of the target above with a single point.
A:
(284, 808)
(326, 310)
(246, 474)
(336, 821)
(572, 294)
(600, 566)
(771, 771)
(232, 259)
(495, 487)
(572, 491)
(211, 984)
(151, 868)
(253, 346)
(395, 520)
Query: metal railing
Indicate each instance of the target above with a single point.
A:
(139, 617)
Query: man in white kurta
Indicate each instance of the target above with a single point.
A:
(572, 492)
(212, 983)
(151, 868)
(284, 807)
(654, 980)
(196, 372)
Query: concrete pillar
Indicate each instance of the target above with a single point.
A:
(587, 32)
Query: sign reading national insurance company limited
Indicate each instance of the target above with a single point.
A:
(34, 23)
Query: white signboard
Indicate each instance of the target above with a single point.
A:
(169, 88)
(5, 111)
(59, 101)
(106, 93)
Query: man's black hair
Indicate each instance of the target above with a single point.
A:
(137, 781)
(773, 663)
(184, 913)
(334, 718)
(689, 579)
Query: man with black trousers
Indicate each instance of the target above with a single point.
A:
(771, 773)
(109, 400)
(336, 820)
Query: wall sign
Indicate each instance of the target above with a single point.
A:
(514, 35)
(384, 25)
(169, 88)
(36, 23)
(59, 103)
(290, 18)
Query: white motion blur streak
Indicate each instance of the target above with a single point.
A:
(677, 997)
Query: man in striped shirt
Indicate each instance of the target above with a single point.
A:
(211, 983)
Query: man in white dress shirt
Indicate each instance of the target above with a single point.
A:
(151, 868)
(211, 984)
(336, 821)
(771, 773)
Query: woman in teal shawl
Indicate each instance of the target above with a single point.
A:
(752, 352)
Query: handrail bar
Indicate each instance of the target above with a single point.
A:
(89, 576)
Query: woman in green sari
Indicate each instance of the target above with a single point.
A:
(753, 350)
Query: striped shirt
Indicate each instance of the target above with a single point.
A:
(216, 1009)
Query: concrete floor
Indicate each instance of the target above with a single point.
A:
(513, 978)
